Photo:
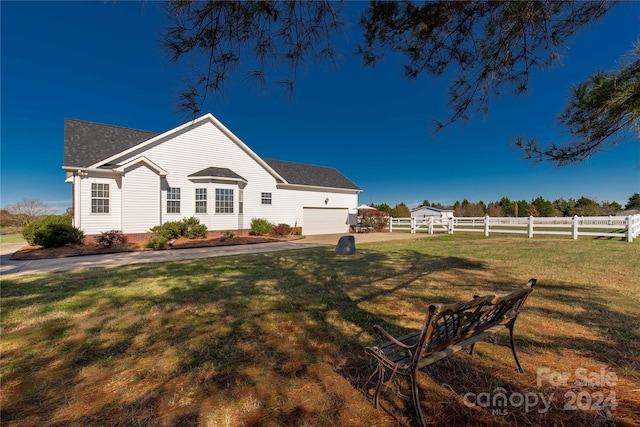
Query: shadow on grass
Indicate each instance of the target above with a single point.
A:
(252, 340)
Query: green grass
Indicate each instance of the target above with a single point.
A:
(12, 238)
(277, 339)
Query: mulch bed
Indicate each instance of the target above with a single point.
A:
(38, 252)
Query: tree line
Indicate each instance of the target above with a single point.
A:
(539, 206)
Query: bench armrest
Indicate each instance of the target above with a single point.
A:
(388, 336)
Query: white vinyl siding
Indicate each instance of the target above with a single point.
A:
(96, 223)
(141, 200)
(205, 145)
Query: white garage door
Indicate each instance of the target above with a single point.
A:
(325, 221)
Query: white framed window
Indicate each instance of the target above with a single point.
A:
(99, 198)
(266, 198)
(224, 200)
(201, 200)
(173, 200)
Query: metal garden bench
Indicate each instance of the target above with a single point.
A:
(447, 329)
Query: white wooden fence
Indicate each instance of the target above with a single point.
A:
(624, 227)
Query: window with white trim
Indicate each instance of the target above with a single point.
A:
(266, 198)
(99, 198)
(173, 200)
(201, 200)
(224, 200)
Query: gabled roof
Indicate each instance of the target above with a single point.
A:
(95, 145)
(213, 173)
(141, 160)
(316, 176)
(86, 143)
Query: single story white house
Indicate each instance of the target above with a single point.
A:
(427, 211)
(132, 180)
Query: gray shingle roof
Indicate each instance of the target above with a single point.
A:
(86, 143)
(216, 173)
(318, 176)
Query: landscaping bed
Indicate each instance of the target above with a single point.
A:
(39, 252)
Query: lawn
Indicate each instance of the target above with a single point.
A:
(12, 238)
(277, 339)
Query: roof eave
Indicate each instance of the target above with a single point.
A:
(81, 170)
(318, 188)
(217, 178)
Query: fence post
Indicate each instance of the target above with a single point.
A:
(486, 226)
(431, 225)
(451, 225)
(390, 224)
(575, 227)
(530, 226)
(413, 225)
(630, 228)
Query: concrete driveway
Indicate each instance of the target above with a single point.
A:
(10, 267)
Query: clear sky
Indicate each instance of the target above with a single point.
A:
(101, 61)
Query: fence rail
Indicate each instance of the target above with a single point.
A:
(624, 227)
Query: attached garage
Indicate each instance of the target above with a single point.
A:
(325, 220)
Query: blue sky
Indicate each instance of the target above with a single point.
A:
(101, 61)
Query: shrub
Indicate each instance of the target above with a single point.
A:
(169, 230)
(193, 229)
(378, 220)
(260, 226)
(156, 242)
(188, 227)
(109, 239)
(281, 230)
(52, 232)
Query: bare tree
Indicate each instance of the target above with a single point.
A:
(28, 210)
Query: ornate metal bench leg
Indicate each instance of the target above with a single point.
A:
(378, 385)
(513, 350)
(415, 397)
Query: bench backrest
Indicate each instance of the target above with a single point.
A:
(448, 324)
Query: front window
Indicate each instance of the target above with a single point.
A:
(201, 200)
(266, 198)
(224, 200)
(173, 200)
(99, 198)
